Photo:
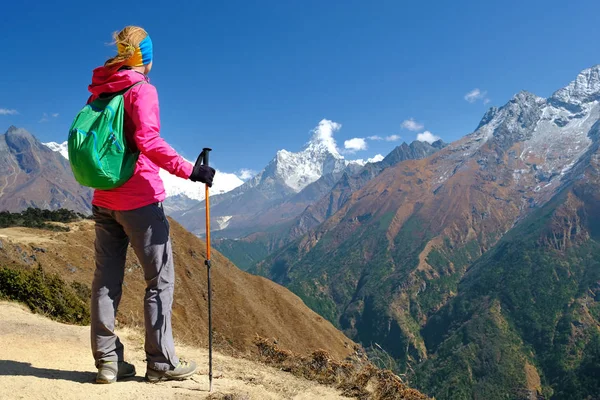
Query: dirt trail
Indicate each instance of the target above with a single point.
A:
(43, 359)
(24, 235)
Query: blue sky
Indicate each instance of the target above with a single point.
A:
(251, 77)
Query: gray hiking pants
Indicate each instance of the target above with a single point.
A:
(147, 229)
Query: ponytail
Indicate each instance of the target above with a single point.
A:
(127, 41)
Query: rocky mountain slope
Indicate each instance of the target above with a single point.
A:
(243, 305)
(32, 175)
(535, 299)
(394, 256)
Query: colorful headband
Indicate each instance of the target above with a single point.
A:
(142, 54)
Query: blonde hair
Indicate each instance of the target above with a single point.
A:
(130, 37)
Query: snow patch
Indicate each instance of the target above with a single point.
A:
(223, 222)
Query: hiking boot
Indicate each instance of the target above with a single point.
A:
(110, 371)
(183, 370)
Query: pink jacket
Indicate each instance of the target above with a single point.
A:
(142, 130)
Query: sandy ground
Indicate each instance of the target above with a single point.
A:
(43, 359)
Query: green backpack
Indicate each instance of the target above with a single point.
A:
(98, 153)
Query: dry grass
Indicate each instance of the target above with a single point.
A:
(356, 376)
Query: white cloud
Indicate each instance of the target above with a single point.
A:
(324, 133)
(475, 95)
(412, 125)
(486, 100)
(46, 117)
(427, 137)
(356, 144)
(391, 138)
(245, 174)
(8, 111)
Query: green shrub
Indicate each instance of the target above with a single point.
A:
(37, 218)
(46, 294)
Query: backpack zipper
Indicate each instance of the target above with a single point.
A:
(116, 142)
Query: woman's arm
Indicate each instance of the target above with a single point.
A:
(145, 116)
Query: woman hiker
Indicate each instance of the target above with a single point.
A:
(133, 213)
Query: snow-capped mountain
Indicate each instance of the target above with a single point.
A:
(175, 186)
(296, 171)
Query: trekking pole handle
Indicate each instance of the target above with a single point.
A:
(204, 154)
(203, 157)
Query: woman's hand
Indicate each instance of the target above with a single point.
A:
(203, 173)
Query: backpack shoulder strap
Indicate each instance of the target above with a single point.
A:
(132, 86)
(106, 96)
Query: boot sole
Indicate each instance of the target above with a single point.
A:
(165, 377)
(106, 381)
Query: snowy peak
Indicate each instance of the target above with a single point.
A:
(545, 137)
(527, 99)
(318, 157)
(61, 148)
(511, 123)
(298, 170)
(584, 89)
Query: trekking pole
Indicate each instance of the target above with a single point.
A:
(207, 262)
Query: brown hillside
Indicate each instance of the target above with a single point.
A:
(243, 305)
